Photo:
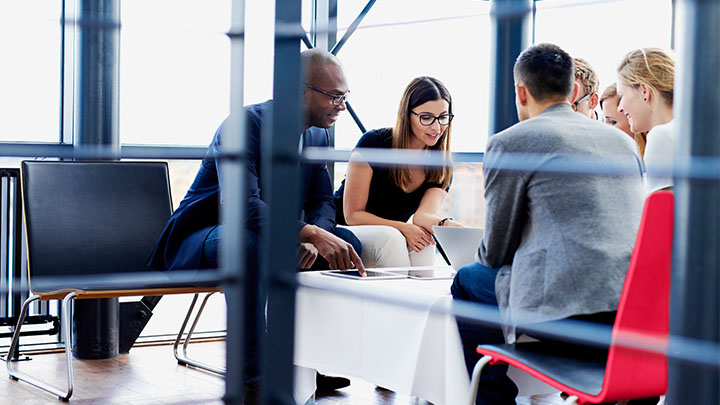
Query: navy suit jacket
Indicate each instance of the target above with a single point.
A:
(180, 245)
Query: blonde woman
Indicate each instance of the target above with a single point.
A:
(376, 201)
(609, 102)
(645, 86)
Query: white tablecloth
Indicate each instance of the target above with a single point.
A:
(407, 350)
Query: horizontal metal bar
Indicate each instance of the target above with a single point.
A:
(164, 152)
(697, 167)
(66, 151)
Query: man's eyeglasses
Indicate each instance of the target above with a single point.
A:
(575, 104)
(427, 119)
(336, 99)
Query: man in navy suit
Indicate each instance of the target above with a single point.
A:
(191, 237)
(194, 232)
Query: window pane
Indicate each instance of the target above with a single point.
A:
(602, 33)
(400, 40)
(30, 70)
(174, 70)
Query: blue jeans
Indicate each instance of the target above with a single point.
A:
(476, 283)
(254, 303)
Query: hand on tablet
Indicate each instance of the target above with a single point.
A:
(339, 253)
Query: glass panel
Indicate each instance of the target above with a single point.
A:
(400, 40)
(174, 71)
(601, 34)
(30, 70)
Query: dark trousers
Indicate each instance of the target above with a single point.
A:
(476, 283)
(254, 300)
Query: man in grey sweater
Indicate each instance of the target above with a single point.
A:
(563, 204)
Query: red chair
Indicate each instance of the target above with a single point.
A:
(642, 317)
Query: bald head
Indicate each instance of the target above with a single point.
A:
(316, 62)
(324, 79)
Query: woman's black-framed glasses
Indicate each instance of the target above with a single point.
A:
(336, 99)
(427, 119)
(575, 104)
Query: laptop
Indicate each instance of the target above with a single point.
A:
(458, 246)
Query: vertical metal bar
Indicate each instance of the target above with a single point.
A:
(67, 52)
(281, 188)
(62, 69)
(233, 211)
(96, 124)
(5, 273)
(16, 248)
(695, 291)
(96, 72)
(353, 27)
(331, 41)
(324, 34)
(511, 33)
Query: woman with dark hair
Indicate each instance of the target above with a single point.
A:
(377, 201)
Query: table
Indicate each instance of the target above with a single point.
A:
(411, 350)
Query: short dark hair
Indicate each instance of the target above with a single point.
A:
(546, 70)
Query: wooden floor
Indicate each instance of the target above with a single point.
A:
(150, 375)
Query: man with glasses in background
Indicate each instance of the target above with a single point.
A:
(193, 234)
(585, 96)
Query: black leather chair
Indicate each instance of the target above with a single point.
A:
(90, 228)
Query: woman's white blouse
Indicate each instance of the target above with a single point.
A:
(659, 157)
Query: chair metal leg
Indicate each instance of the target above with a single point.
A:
(184, 359)
(15, 374)
(571, 400)
(475, 381)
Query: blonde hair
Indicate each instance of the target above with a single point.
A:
(640, 137)
(652, 67)
(420, 91)
(587, 76)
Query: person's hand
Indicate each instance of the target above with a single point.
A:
(452, 222)
(416, 236)
(306, 255)
(338, 253)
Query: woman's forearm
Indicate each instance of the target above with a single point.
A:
(366, 218)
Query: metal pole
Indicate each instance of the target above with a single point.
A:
(281, 188)
(96, 74)
(96, 322)
(695, 302)
(232, 212)
(324, 33)
(351, 29)
(511, 33)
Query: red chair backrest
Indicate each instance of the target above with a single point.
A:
(643, 311)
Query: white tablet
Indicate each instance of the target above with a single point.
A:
(369, 274)
(427, 274)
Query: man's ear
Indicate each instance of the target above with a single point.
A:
(594, 100)
(521, 93)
